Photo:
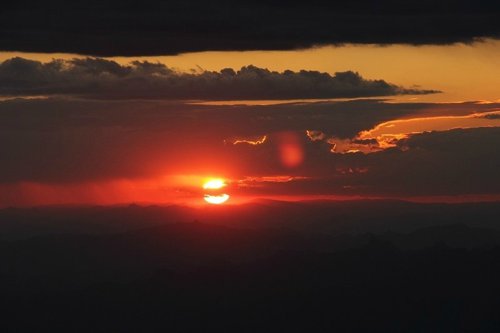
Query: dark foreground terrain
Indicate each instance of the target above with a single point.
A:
(263, 267)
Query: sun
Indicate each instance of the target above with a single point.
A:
(216, 199)
(213, 196)
(214, 184)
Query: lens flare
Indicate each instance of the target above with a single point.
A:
(290, 149)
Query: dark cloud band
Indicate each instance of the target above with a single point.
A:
(103, 79)
(158, 27)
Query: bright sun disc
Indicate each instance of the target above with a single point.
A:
(214, 184)
(216, 199)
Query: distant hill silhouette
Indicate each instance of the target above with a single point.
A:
(331, 217)
(131, 269)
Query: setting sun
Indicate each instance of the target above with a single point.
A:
(216, 199)
(214, 184)
(213, 196)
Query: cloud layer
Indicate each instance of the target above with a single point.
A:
(104, 79)
(66, 141)
(155, 27)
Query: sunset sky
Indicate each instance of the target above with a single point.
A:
(144, 102)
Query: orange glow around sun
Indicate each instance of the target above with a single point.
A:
(212, 186)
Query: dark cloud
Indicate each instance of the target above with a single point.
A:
(459, 161)
(104, 79)
(491, 116)
(454, 162)
(365, 141)
(156, 27)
